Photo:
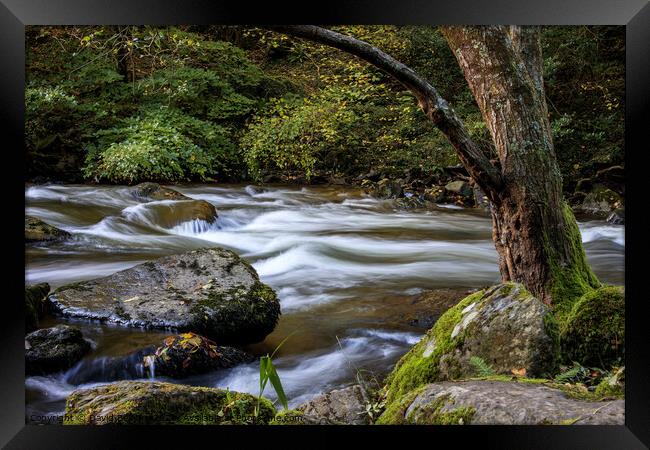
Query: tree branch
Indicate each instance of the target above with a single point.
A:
(486, 175)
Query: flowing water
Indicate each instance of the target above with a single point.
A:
(346, 267)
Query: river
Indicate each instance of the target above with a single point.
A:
(346, 268)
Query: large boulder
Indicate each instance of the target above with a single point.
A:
(339, 407)
(170, 214)
(500, 403)
(37, 231)
(593, 333)
(505, 326)
(181, 209)
(53, 349)
(156, 403)
(188, 354)
(210, 291)
(35, 297)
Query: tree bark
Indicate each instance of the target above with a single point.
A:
(534, 231)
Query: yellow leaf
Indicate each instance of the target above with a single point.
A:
(519, 372)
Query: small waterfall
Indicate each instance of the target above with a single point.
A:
(196, 226)
(150, 362)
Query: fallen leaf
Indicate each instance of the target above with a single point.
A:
(519, 372)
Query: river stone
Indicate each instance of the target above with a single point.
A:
(53, 349)
(181, 208)
(189, 354)
(601, 201)
(339, 407)
(154, 191)
(168, 214)
(210, 291)
(508, 403)
(460, 187)
(504, 325)
(35, 297)
(387, 188)
(157, 403)
(36, 231)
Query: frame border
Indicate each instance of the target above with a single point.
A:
(635, 14)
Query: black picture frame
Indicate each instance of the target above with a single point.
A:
(16, 14)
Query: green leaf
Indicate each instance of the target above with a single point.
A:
(276, 383)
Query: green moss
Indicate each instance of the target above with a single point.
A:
(239, 314)
(396, 410)
(594, 331)
(289, 417)
(569, 281)
(415, 369)
(605, 389)
(140, 403)
(421, 365)
(432, 414)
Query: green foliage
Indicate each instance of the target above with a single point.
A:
(280, 105)
(146, 149)
(481, 368)
(268, 373)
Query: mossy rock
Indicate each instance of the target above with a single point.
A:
(492, 402)
(210, 291)
(53, 349)
(157, 403)
(35, 297)
(189, 354)
(37, 231)
(504, 325)
(594, 331)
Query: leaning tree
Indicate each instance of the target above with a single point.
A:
(534, 231)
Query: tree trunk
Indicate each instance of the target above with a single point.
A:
(534, 230)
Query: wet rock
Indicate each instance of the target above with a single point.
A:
(36, 231)
(502, 403)
(504, 325)
(387, 188)
(617, 217)
(53, 349)
(339, 407)
(435, 194)
(189, 354)
(459, 187)
(168, 215)
(35, 297)
(182, 209)
(412, 201)
(154, 192)
(156, 403)
(210, 291)
(179, 356)
(601, 201)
